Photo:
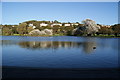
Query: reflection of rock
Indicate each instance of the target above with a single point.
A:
(37, 32)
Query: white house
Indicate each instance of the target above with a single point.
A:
(76, 24)
(56, 24)
(30, 25)
(34, 27)
(13, 26)
(107, 26)
(43, 24)
(67, 24)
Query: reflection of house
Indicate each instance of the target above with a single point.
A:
(43, 24)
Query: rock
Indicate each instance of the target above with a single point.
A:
(48, 31)
(37, 32)
(73, 32)
(43, 33)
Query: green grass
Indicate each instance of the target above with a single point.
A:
(58, 35)
(16, 34)
(101, 35)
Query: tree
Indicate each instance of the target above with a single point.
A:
(56, 29)
(14, 29)
(37, 24)
(30, 29)
(79, 31)
(31, 21)
(55, 21)
(1, 29)
(116, 29)
(105, 30)
(6, 31)
(90, 26)
(69, 30)
(22, 28)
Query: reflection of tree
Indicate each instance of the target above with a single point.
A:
(88, 47)
(89, 44)
(33, 45)
(48, 44)
(8, 42)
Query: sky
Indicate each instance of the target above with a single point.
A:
(0, 12)
(102, 12)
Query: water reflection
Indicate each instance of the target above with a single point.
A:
(8, 42)
(60, 52)
(49, 44)
(87, 47)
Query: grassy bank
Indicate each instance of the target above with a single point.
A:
(101, 35)
(106, 36)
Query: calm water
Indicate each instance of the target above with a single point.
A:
(60, 52)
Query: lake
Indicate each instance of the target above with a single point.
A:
(59, 52)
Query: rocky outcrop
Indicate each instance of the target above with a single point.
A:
(37, 32)
(48, 31)
(79, 31)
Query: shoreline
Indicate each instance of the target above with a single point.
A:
(66, 35)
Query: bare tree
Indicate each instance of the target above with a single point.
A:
(90, 26)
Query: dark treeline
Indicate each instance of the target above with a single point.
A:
(86, 28)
